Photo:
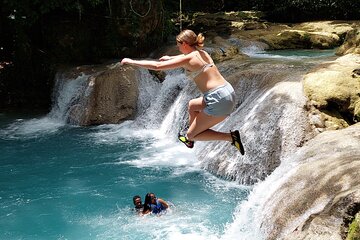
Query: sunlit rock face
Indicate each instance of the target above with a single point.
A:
(333, 90)
(321, 192)
(310, 35)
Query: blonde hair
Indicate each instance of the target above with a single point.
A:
(191, 38)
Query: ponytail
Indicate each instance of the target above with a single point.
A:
(200, 40)
(191, 38)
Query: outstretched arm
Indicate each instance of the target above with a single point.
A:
(166, 58)
(173, 62)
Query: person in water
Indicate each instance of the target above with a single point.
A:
(218, 98)
(138, 206)
(154, 205)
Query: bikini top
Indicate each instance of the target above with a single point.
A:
(194, 74)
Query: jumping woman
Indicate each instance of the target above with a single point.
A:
(218, 98)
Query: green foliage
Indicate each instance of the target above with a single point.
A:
(354, 229)
(305, 10)
(278, 10)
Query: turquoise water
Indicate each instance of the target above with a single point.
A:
(64, 182)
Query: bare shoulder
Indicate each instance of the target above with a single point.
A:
(206, 56)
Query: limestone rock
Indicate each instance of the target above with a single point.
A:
(113, 98)
(293, 39)
(327, 27)
(321, 192)
(222, 50)
(110, 97)
(206, 20)
(351, 44)
(334, 91)
(321, 34)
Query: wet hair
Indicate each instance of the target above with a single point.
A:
(136, 197)
(147, 202)
(189, 37)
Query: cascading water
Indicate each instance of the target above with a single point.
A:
(148, 88)
(67, 93)
(265, 114)
(157, 102)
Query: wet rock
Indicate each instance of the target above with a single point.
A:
(356, 73)
(320, 193)
(113, 98)
(351, 43)
(109, 97)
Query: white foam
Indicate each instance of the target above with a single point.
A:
(249, 213)
(66, 92)
(31, 128)
(117, 133)
(173, 225)
(161, 150)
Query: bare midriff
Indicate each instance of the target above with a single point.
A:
(209, 79)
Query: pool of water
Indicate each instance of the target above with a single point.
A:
(64, 182)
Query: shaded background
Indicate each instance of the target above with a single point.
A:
(39, 36)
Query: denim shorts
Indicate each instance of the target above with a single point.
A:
(220, 101)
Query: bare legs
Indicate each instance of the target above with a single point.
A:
(200, 123)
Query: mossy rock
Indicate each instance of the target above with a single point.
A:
(351, 43)
(293, 39)
(223, 22)
(223, 50)
(332, 89)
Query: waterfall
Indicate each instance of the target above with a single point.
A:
(148, 87)
(163, 100)
(67, 94)
(250, 48)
